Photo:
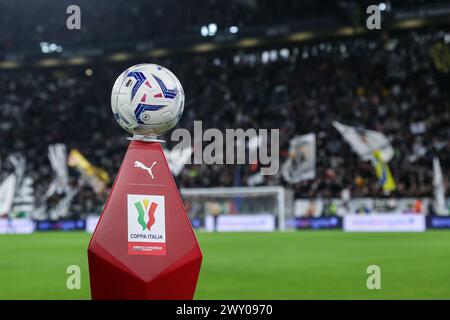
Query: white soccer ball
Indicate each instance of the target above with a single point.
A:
(147, 99)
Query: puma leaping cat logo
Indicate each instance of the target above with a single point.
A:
(140, 165)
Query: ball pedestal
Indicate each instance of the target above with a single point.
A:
(144, 246)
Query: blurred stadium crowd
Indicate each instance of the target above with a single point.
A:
(394, 84)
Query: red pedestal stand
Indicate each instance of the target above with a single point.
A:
(144, 246)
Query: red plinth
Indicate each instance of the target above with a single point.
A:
(144, 246)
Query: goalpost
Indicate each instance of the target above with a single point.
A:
(223, 201)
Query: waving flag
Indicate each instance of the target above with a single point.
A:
(178, 158)
(7, 192)
(438, 188)
(383, 173)
(301, 163)
(96, 177)
(57, 156)
(365, 142)
(24, 201)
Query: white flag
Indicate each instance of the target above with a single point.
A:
(19, 163)
(177, 159)
(7, 191)
(438, 188)
(57, 156)
(255, 179)
(61, 209)
(365, 142)
(23, 204)
(301, 163)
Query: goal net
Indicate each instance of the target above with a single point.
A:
(239, 208)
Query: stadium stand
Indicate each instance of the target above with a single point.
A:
(390, 83)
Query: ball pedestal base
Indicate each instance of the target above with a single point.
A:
(144, 246)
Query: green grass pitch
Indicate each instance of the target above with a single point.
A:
(290, 265)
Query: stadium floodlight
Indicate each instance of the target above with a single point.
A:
(233, 29)
(204, 31)
(50, 47)
(273, 200)
(384, 6)
(212, 29)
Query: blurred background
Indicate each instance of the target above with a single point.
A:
(364, 115)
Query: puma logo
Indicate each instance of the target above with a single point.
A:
(140, 165)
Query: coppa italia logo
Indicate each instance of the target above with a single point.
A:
(144, 209)
(146, 225)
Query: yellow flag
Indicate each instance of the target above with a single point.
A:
(383, 172)
(97, 177)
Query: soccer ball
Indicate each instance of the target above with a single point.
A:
(147, 99)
